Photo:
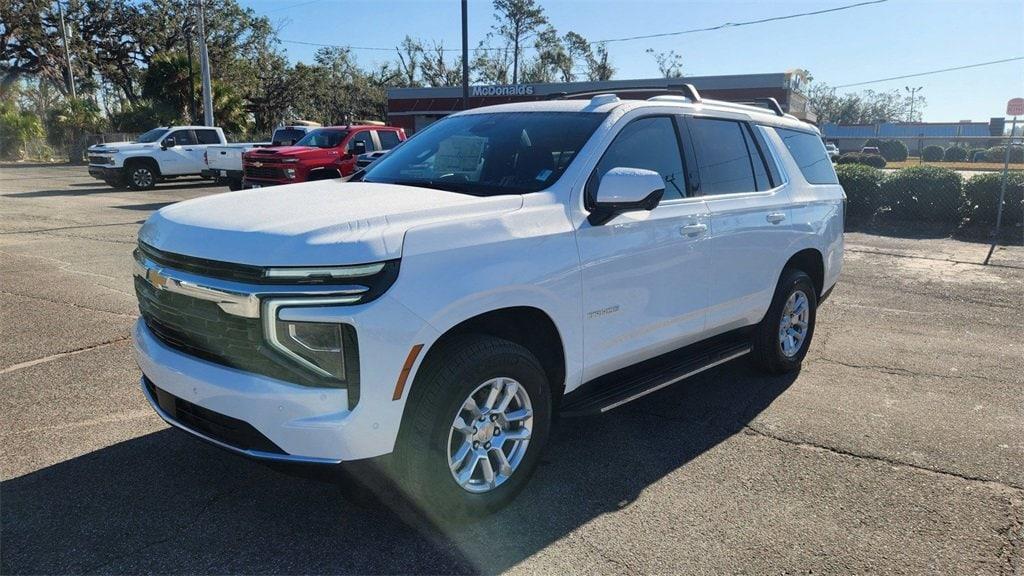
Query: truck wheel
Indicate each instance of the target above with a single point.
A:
(141, 176)
(782, 338)
(477, 420)
(234, 184)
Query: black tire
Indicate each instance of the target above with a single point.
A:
(234, 184)
(768, 354)
(141, 175)
(441, 387)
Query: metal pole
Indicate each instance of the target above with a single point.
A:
(204, 69)
(191, 74)
(1002, 190)
(465, 55)
(67, 53)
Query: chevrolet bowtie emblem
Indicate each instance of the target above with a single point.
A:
(157, 279)
(257, 164)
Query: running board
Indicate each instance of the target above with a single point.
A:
(622, 386)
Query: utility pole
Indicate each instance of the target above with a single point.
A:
(204, 69)
(189, 30)
(67, 53)
(913, 98)
(465, 55)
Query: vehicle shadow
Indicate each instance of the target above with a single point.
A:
(148, 207)
(167, 503)
(103, 189)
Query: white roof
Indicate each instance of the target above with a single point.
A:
(601, 104)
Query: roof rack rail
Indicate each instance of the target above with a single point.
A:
(769, 103)
(686, 90)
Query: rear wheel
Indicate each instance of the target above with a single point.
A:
(478, 417)
(141, 176)
(782, 338)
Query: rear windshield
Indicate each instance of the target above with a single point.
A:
(287, 136)
(321, 138)
(488, 154)
(809, 153)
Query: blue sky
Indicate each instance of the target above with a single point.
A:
(866, 43)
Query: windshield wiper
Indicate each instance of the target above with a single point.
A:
(445, 186)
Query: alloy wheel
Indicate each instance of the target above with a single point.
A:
(490, 434)
(794, 323)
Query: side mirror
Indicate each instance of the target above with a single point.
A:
(168, 142)
(358, 147)
(626, 190)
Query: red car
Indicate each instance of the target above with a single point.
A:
(324, 153)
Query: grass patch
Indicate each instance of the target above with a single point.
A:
(981, 166)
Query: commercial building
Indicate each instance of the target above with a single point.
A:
(916, 135)
(415, 108)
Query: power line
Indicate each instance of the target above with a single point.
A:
(292, 6)
(979, 64)
(738, 24)
(628, 38)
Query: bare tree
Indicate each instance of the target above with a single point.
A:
(599, 67)
(436, 70)
(518, 21)
(670, 64)
(410, 53)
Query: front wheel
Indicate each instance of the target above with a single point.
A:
(782, 338)
(141, 177)
(478, 417)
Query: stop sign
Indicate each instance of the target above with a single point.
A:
(1015, 107)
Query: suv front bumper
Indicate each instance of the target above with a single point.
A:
(299, 423)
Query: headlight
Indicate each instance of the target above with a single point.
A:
(289, 160)
(318, 346)
(111, 151)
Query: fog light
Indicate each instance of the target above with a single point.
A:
(289, 173)
(316, 345)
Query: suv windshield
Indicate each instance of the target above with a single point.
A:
(488, 154)
(152, 136)
(323, 138)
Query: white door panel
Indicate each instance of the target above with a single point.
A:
(748, 240)
(645, 284)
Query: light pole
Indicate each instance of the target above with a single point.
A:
(204, 69)
(913, 98)
(67, 52)
(465, 55)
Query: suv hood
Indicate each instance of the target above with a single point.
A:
(326, 222)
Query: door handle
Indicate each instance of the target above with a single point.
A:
(693, 229)
(775, 217)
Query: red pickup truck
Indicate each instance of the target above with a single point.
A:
(324, 153)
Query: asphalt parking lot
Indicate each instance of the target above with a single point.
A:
(899, 448)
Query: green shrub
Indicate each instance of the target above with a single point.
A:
(923, 193)
(982, 198)
(863, 189)
(977, 154)
(955, 154)
(893, 150)
(932, 153)
(998, 154)
(873, 160)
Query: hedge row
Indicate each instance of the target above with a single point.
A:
(861, 158)
(958, 153)
(891, 150)
(930, 194)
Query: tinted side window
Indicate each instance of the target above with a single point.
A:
(207, 137)
(810, 155)
(363, 136)
(183, 137)
(388, 139)
(651, 144)
(756, 162)
(723, 157)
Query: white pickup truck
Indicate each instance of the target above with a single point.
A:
(224, 163)
(161, 153)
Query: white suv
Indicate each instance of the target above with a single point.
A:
(506, 265)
